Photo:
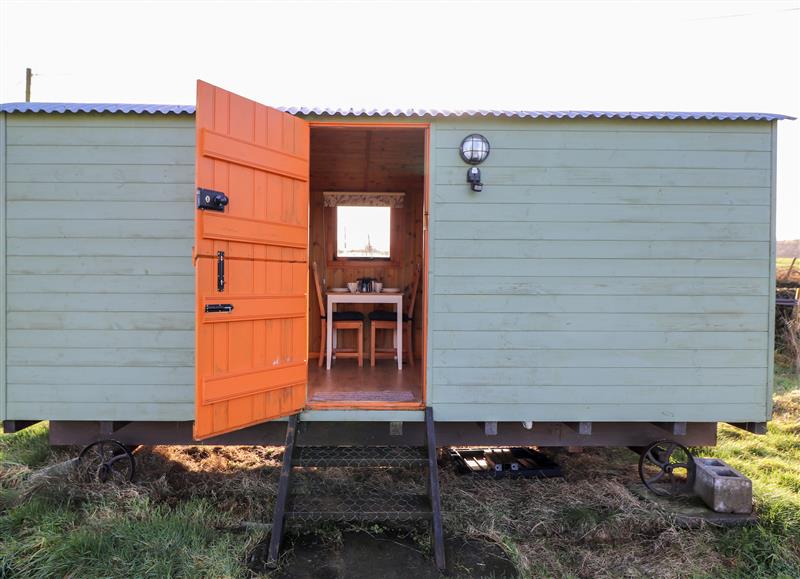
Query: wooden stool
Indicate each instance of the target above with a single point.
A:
(383, 320)
(341, 321)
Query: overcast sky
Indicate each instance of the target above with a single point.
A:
(712, 56)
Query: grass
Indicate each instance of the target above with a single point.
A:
(182, 517)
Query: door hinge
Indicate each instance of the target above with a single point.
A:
(220, 271)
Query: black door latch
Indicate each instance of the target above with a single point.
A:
(213, 308)
(212, 200)
(220, 271)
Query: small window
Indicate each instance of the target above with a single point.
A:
(363, 232)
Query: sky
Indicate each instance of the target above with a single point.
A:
(640, 55)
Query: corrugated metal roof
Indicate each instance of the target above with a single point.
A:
(61, 108)
(189, 109)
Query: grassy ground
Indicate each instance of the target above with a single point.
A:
(183, 515)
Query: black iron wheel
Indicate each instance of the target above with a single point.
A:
(667, 468)
(107, 461)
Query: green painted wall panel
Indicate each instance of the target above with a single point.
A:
(592, 231)
(598, 194)
(600, 213)
(580, 267)
(101, 283)
(596, 377)
(593, 321)
(655, 303)
(621, 264)
(605, 285)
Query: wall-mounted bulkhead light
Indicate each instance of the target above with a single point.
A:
(474, 150)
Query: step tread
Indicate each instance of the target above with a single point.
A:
(359, 456)
(372, 506)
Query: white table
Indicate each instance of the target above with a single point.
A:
(365, 298)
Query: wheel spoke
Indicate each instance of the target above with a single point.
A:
(653, 459)
(656, 478)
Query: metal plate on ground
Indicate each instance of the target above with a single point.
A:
(504, 462)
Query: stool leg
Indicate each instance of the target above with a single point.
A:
(409, 347)
(361, 346)
(322, 344)
(372, 345)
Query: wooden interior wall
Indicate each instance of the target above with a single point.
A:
(367, 159)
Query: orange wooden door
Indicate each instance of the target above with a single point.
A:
(251, 262)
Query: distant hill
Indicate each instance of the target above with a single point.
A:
(789, 248)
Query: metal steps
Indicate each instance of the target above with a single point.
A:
(359, 456)
(366, 504)
(373, 507)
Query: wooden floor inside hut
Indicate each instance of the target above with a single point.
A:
(346, 382)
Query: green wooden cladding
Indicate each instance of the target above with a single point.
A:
(609, 270)
(100, 279)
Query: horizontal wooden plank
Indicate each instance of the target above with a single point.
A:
(600, 194)
(67, 173)
(600, 213)
(598, 377)
(79, 302)
(594, 321)
(111, 120)
(95, 228)
(111, 357)
(577, 411)
(633, 249)
(661, 303)
(93, 394)
(100, 321)
(102, 375)
(120, 191)
(146, 411)
(566, 230)
(534, 285)
(100, 265)
(619, 158)
(229, 386)
(544, 340)
(622, 395)
(111, 247)
(101, 155)
(102, 284)
(181, 339)
(671, 129)
(612, 358)
(259, 307)
(580, 267)
(592, 176)
(226, 227)
(275, 161)
(69, 135)
(105, 210)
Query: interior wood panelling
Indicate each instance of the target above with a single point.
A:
(367, 159)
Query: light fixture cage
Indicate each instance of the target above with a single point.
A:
(474, 149)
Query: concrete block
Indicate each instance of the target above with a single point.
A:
(722, 488)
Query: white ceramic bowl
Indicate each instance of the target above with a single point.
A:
(352, 286)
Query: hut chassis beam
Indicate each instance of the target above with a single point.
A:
(617, 434)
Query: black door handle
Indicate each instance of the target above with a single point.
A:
(211, 308)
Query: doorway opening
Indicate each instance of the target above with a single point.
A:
(366, 229)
